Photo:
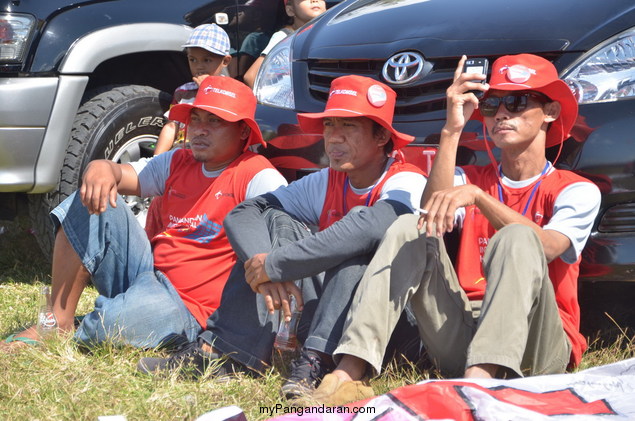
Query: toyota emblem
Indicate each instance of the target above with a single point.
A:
(403, 67)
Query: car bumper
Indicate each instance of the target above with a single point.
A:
(25, 108)
(36, 118)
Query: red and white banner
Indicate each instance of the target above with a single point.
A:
(599, 393)
(604, 393)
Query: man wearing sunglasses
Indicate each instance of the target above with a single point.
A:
(508, 306)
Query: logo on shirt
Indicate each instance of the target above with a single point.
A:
(220, 194)
(173, 193)
(482, 246)
(206, 231)
(182, 223)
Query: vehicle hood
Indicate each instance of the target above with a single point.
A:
(40, 9)
(449, 28)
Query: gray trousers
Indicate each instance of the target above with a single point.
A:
(517, 325)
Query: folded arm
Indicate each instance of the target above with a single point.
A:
(356, 234)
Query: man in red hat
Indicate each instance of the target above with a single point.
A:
(351, 204)
(508, 307)
(172, 283)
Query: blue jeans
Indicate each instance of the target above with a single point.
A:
(243, 329)
(137, 305)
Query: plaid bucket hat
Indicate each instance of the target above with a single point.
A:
(358, 96)
(210, 37)
(528, 72)
(227, 98)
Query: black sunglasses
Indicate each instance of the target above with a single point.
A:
(514, 103)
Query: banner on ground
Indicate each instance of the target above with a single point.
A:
(604, 393)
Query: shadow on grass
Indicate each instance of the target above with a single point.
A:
(20, 257)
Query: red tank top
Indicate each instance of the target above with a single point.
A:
(340, 198)
(477, 231)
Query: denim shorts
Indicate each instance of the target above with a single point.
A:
(137, 305)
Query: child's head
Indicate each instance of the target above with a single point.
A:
(303, 11)
(207, 50)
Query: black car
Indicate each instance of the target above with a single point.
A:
(414, 46)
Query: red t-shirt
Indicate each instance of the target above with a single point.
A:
(193, 251)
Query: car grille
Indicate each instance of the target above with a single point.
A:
(620, 218)
(426, 95)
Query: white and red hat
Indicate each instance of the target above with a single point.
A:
(528, 72)
(226, 98)
(357, 96)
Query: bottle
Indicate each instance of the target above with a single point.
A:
(46, 321)
(286, 339)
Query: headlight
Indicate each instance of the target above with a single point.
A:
(606, 73)
(273, 85)
(15, 31)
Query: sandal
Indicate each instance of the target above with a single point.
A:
(14, 338)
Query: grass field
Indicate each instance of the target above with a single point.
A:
(59, 381)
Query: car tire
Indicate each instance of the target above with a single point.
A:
(120, 123)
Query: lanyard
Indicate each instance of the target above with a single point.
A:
(345, 190)
(533, 191)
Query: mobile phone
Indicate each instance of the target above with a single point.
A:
(476, 65)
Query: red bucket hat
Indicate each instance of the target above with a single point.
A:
(227, 98)
(527, 72)
(357, 96)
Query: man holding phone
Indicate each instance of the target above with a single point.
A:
(508, 306)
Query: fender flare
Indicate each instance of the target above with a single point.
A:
(90, 51)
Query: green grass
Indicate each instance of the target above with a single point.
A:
(60, 381)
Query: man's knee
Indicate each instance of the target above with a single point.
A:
(73, 210)
(283, 226)
(519, 244)
(515, 231)
(515, 236)
(404, 228)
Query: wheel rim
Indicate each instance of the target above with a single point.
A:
(133, 150)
